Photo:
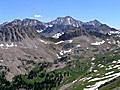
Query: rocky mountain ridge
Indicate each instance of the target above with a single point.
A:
(59, 26)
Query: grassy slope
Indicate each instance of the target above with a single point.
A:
(105, 60)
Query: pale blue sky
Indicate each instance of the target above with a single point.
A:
(106, 11)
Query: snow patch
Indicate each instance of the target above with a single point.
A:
(85, 78)
(100, 65)
(50, 25)
(99, 83)
(65, 51)
(57, 35)
(1, 45)
(95, 70)
(78, 46)
(1, 60)
(114, 32)
(39, 31)
(109, 73)
(43, 41)
(68, 51)
(114, 62)
(6, 46)
(70, 41)
(59, 42)
(58, 56)
(93, 58)
(69, 21)
(10, 45)
(109, 42)
(98, 43)
(118, 62)
(116, 66)
(74, 81)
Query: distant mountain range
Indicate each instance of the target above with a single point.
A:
(54, 29)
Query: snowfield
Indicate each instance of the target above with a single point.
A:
(99, 83)
(70, 41)
(43, 41)
(65, 52)
(59, 42)
(78, 46)
(58, 56)
(8, 45)
(98, 43)
(39, 31)
(57, 35)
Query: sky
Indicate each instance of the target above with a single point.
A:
(106, 11)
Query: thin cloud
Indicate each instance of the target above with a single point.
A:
(37, 16)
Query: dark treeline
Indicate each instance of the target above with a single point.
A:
(40, 79)
(36, 79)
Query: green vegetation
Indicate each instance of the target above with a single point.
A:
(39, 79)
(4, 84)
(106, 60)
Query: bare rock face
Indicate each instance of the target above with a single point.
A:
(16, 33)
(21, 47)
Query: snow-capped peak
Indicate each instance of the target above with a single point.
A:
(95, 23)
(67, 21)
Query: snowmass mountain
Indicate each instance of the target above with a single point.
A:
(64, 24)
(66, 21)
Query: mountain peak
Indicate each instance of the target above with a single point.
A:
(31, 22)
(65, 17)
(25, 22)
(68, 17)
(67, 20)
(94, 23)
(14, 22)
(97, 21)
